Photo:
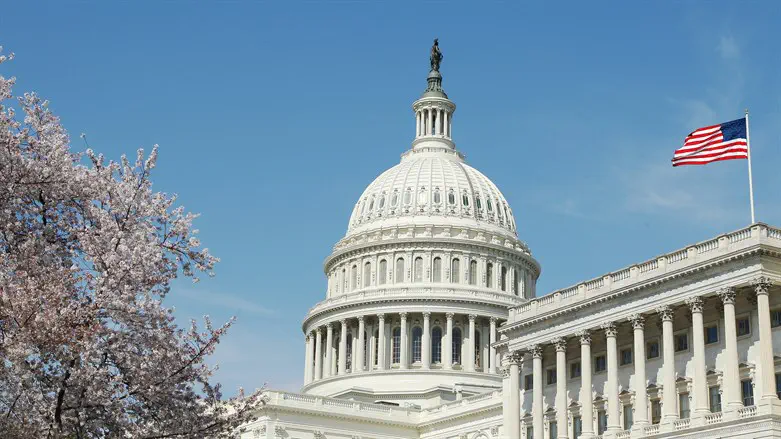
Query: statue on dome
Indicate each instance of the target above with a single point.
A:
(436, 56)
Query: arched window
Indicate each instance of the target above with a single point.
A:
(422, 196)
(354, 277)
(395, 199)
(455, 270)
(503, 280)
(408, 197)
(371, 204)
(477, 349)
(478, 203)
(382, 202)
(517, 282)
(383, 272)
(418, 269)
(349, 351)
(451, 197)
(489, 275)
(417, 344)
(456, 346)
(376, 347)
(396, 345)
(437, 196)
(367, 274)
(473, 273)
(343, 286)
(465, 200)
(436, 345)
(399, 270)
(437, 270)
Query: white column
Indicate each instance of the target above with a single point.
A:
(586, 398)
(417, 124)
(513, 399)
(318, 353)
(537, 412)
(670, 395)
(371, 352)
(470, 356)
(613, 419)
(560, 345)
(329, 342)
(404, 348)
(447, 349)
(425, 351)
(731, 379)
(429, 124)
(640, 419)
(308, 359)
(699, 380)
(381, 342)
(361, 341)
(767, 368)
(492, 356)
(445, 129)
(343, 348)
(485, 351)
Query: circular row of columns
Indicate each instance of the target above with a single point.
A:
(315, 369)
(425, 118)
(731, 379)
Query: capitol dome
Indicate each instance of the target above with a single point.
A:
(429, 267)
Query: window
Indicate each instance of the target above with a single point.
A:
(656, 411)
(382, 202)
(407, 197)
(529, 432)
(399, 270)
(681, 342)
(465, 200)
(601, 422)
(626, 356)
(437, 270)
(371, 205)
(577, 426)
(376, 354)
(477, 349)
(354, 277)
(778, 385)
(394, 199)
(344, 279)
(418, 269)
(349, 351)
(455, 271)
(714, 396)
(683, 406)
(553, 430)
(551, 375)
(478, 204)
(744, 326)
(456, 346)
(711, 334)
(396, 345)
(383, 272)
(652, 349)
(473, 273)
(528, 382)
(628, 419)
(517, 282)
(451, 198)
(775, 318)
(600, 363)
(422, 196)
(365, 351)
(437, 196)
(748, 392)
(417, 344)
(574, 369)
(503, 279)
(489, 204)
(367, 275)
(436, 345)
(489, 275)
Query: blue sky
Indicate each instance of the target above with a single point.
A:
(273, 117)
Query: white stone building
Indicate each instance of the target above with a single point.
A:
(432, 328)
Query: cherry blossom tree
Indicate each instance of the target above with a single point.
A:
(87, 255)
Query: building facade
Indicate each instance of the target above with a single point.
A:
(432, 328)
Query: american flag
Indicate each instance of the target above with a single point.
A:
(726, 141)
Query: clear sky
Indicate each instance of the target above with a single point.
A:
(273, 117)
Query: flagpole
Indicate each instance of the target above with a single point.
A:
(750, 181)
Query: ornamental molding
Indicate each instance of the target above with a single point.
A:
(727, 295)
(584, 336)
(560, 344)
(761, 284)
(610, 329)
(666, 313)
(637, 320)
(696, 304)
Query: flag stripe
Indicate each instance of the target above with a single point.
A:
(709, 147)
(726, 141)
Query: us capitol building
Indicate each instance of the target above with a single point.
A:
(432, 327)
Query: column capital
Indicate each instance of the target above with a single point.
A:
(493, 319)
(449, 315)
(403, 315)
(559, 343)
(343, 322)
(329, 326)
(584, 335)
(637, 321)
(609, 328)
(426, 314)
(381, 317)
(727, 295)
(761, 285)
(360, 319)
(515, 357)
(695, 303)
(536, 351)
(504, 371)
(665, 312)
(319, 330)
(472, 317)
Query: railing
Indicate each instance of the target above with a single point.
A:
(651, 429)
(747, 412)
(691, 255)
(396, 413)
(713, 418)
(623, 434)
(682, 424)
(405, 291)
(462, 402)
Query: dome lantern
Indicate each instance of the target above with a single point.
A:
(434, 111)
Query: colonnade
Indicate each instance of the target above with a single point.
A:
(403, 340)
(433, 120)
(731, 399)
